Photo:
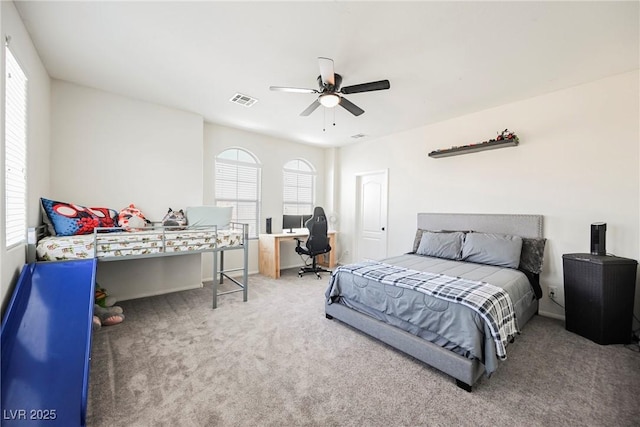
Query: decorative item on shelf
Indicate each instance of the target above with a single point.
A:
(505, 138)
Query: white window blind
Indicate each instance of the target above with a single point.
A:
(238, 185)
(298, 191)
(15, 137)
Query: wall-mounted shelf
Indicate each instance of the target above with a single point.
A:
(472, 148)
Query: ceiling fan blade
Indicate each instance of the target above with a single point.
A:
(293, 89)
(366, 87)
(326, 71)
(350, 106)
(311, 108)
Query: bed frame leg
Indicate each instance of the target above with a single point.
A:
(328, 316)
(215, 280)
(245, 264)
(221, 266)
(466, 387)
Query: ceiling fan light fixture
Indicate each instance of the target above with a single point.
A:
(329, 100)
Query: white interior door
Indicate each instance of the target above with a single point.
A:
(371, 214)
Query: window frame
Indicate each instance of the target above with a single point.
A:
(15, 150)
(246, 160)
(300, 206)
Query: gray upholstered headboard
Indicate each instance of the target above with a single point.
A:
(514, 224)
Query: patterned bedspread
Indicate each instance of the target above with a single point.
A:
(122, 244)
(492, 303)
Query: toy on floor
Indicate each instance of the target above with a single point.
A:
(105, 313)
(102, 298)
(106, 316)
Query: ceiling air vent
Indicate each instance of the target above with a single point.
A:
(244, 100)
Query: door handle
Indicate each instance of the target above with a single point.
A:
(382, 228)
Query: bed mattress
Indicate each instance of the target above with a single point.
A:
(142, 243)
(449, 325)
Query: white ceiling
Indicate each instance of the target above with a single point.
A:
(443, 59)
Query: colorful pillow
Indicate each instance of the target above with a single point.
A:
(175, 219)
(132, 219)
(68, 219)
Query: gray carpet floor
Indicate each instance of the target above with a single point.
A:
(277, 361)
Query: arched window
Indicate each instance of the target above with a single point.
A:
(299, 187)
(238, 175)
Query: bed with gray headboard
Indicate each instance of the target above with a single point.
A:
(456, 300)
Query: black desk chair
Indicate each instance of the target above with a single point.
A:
(317, 243)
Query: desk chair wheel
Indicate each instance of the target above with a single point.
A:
(314, 269)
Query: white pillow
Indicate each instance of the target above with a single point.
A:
(493, 249)
(441, 245)
(219, 216)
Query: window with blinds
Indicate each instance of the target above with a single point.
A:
(238, 176)
(15, 137)
(298, 190)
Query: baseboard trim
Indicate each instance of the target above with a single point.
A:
(161, 292)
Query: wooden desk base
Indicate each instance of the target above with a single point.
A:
(269, 252)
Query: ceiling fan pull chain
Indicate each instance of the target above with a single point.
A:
(324, 120)
(334, 116)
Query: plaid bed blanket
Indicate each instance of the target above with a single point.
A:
(492, 303)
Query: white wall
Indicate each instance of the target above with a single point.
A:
(272, 154)
(111, 151)
(115, 150)
(577, 163)
(38, 120)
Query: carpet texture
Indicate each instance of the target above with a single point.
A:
(277, 361)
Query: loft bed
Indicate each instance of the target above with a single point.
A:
(117, 244)
(410, 303)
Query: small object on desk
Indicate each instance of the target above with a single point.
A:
(599, 295)
(294, 223)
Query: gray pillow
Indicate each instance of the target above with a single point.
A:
(418, 238)
(441, 245)
(532, 254)
(493, 249)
